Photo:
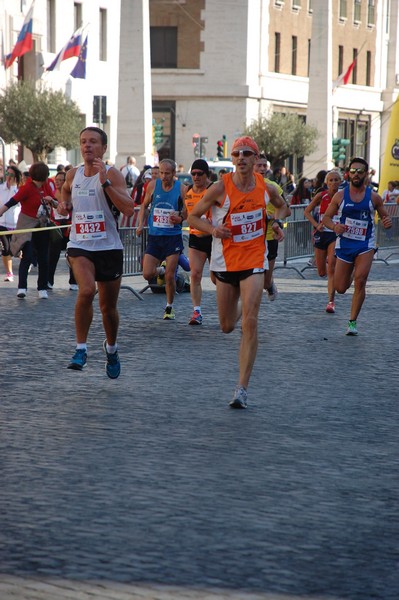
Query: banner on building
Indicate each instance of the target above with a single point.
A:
(390, 163)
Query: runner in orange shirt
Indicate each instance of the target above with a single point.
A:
(200, 243)
(238, 202)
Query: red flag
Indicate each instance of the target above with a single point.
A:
(24, 42)
(343, 79)
(348, 72)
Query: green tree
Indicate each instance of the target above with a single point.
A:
(282, 135)
(39, 119)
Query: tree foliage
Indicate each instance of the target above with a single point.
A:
(39, 119)
(282, 135)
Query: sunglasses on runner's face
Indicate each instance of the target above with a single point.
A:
(246, 153)
(359, 170)
(198, 173)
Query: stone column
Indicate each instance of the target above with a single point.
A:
(134, 128)
(319, 112)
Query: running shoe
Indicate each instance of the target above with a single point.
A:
(330, 308)
(352, 328)
(21, 293)
(113, 365)
(50, 286)
(169, 314)
(78, 360)
(272, 292)
(196, 319)
(73, 287)
(9, 277)
(43, 295)
(240, 398)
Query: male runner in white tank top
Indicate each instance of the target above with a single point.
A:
(96, 194)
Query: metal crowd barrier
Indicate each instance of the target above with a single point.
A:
(298, 241)
(388, 239)
(133, 253)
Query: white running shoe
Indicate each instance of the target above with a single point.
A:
(240, 398)
(73, 287)
(43, 294)
(21, 293)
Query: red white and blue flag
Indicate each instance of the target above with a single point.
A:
(24, 42)
(72, 48)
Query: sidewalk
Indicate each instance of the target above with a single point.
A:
(149, 487)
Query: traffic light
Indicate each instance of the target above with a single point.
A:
(203, 141)
(196, 145)
(339, 147)
(157, 132)
(224, 138)
(220, 149)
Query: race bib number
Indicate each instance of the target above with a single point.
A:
(90, 226)
(247, 225)
(161, 216)
(355, 229)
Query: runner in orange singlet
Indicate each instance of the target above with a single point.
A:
(238, 202)
(200, 243)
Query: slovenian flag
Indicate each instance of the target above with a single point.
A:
(24, 42)
(71, 49)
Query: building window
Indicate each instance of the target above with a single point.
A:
(77, 14)
(278, 3)
(357, 11)
(371, 13)
(310, 6)
(103, 34)
(277, 45)
(340, 60)
(296, 4)
(294, 54)
(163, 47)
(343, 9)
(354, 72)
(309, 50)
(368, 68)
(50, 26)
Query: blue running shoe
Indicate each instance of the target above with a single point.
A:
(78, 360)
(113, 365)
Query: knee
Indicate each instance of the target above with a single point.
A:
(86, 294)
(149, 274)
(196, 276)
(226, 326)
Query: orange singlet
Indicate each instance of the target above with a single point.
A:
(245, 214)
(191, 200)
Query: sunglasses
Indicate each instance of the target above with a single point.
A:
(246, 153)
(10, 174)
(359, 170)
(197, 173)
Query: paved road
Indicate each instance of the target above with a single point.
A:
(150, 487)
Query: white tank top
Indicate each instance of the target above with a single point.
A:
(94, 227)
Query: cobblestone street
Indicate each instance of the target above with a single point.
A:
(149, 487)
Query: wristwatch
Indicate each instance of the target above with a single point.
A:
(279, 223)
(106, 184)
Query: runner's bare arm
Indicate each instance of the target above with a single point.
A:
(143, 212)
(282, 210)
(381, 210)
(309, 210)
(117, 191)
(213, 195)
(331, 211)
(65, 206)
